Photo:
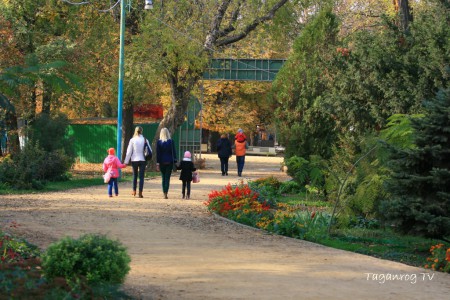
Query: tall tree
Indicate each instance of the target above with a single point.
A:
(306, 128)
(181, 37)
(420, 185)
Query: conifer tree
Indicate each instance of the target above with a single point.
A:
(420, 184)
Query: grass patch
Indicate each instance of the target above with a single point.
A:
(384, 244)
(300, 199)
(78, 180)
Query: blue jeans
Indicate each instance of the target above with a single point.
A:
(138, 169)
(240, 164)
(113, 183)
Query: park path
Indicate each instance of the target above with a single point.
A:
(180, 251)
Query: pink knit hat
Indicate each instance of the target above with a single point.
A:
(111, 151)
(187, 154)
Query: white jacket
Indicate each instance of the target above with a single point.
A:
(135, 150)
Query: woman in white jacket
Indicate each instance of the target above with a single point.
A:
(135, 153)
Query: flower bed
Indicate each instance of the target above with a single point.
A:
(244, 205)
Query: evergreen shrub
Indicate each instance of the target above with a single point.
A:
(92, 257)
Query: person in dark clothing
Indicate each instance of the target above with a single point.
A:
(224, 152)
(166, 157)
(187, 167)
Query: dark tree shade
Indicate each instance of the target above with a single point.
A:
(420, 185)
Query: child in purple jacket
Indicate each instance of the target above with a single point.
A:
(114, 162)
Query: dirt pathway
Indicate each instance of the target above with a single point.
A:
(180, 251)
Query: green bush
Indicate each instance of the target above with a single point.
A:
(93, 257)
(307, 172)
(33, 166)
(47, 156)
(305, 225)
(290, 187)
(267, 190)
(49, 131)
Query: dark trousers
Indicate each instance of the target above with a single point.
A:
(166, 171)
(240, 160)
(113, 183)
(138, 170)
(186, 184)
(224, 165)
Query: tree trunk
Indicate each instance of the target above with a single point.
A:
(180, 96)
(404, 12)
(46, 98)
(13, 134)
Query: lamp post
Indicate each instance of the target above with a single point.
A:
(148, 5)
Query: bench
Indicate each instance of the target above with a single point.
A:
(256, 150)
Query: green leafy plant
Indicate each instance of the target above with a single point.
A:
(13, 249)
(290, 187)
(93, 257)
(307, 172)
(267, 189)
(300, 224)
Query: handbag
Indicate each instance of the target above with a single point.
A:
(107, 175)
(195, 177)
(148, 153)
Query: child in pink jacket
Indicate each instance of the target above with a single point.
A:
(113, 161)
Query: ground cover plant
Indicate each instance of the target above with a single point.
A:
(293, 216)
(23, 275)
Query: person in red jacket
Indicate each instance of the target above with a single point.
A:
(240, 148)
(240, 136)
(113, 162)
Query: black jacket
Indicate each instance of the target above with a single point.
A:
(224, 148)
(186, 167)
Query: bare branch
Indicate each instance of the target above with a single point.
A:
(211, 38)
(252, 26)
(234, 17)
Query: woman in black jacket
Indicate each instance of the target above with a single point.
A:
(224, 153)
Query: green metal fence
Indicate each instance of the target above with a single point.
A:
(91, 141)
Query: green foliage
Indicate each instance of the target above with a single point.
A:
(47, 156)
(50, 132)
(301, 224)
(268, 190)
(32, 167)
(305, 127)
(367, 196)
(420, 184)
(13, 249)
(386, 72)
(290, 187)
(22, 276)
(382, 243)
(93, 257)
(399, 132)
(304, 172)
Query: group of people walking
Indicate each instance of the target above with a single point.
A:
(224, 151)
(166, 161)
